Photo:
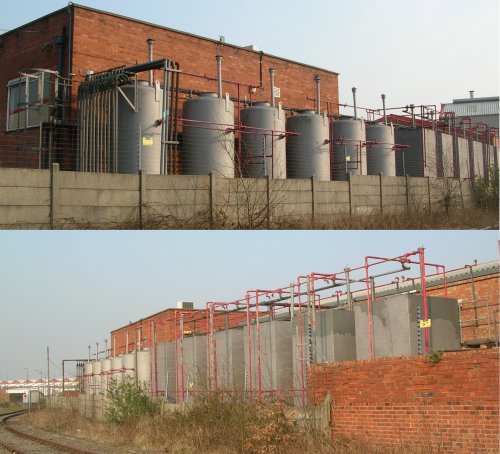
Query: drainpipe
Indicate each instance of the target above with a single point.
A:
(219, 75)
(317, 78)
(385, 113)
(60, 41)
(273, 99)
(151, 43)
(355, 106)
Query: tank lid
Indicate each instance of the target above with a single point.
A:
(307, 112)
(208, 95)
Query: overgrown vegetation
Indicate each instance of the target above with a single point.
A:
(486, 191)
(435, 356)
(128, 400)
(214, 425)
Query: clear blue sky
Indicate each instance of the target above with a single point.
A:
(420, 52)
(67, 290)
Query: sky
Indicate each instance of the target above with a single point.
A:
(415, 52)
(68, 290)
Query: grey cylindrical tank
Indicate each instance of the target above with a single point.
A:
(381, 157)
(208, 137)
(129, 365)
(106, 374)
(87, 378)
(348, 156)
(97, 379)
(139, 135)
(143, 367)
(263, 142)
(116, 367)
(308, 153)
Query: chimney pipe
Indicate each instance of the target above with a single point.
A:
(471, 94)
(317, 78)
(219, 75)
(151, 43)
(385, 113)
(273, 100)
(355, 106)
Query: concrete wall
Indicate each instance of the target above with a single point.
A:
(42, 199)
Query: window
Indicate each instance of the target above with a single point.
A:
(29, 99)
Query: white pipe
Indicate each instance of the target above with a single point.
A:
(151, 43)
(273, 99)
(355, 106)
(385, 113)
(317, 78)
(219, 75)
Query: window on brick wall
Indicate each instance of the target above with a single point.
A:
(29, 101)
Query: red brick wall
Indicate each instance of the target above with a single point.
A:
(449, 406)
(487, 303)
(29, 47)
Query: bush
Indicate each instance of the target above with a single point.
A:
(486, 191)
(128, 401)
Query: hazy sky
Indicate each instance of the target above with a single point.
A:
(420, 52)
(67, 290)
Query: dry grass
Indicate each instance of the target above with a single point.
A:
(211, 427)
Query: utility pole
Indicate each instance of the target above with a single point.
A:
(48, 373)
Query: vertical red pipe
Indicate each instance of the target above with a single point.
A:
(214, 347)
(424, 296)
(370, 332)
(257, 328)
(182, 356)
(301, 350)
(249, 340)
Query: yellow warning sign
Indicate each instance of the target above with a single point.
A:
(147, 142)
(425, 323)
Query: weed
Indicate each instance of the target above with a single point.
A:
(435, 356)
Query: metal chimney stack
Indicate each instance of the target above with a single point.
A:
(219, 75)
(355, 106)
(471, 94)
(151, 43)
(273, 99)
(385, 113)
(317, 78)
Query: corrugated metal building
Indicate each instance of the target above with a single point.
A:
(479, 110)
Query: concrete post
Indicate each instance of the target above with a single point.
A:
(461, 194)
(349, 180)
(54, 196)
(314, 207)
(268, 201)
(429, 194)
(408, 193)
(381, 193)
(142, 198)
(212, 200)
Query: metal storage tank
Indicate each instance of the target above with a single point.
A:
(87, 377)
(263, 143)
(334, 339)
(208, 136)
(347, 156)
(308, 153)
(139, 133)
(116, 368)
(143, 367)
(96, 377)
(381, 157)
(164, 381)
(276, 356)
(395, 326)
(192, 363)
(105, 374)
(129, 365)
(230, 360)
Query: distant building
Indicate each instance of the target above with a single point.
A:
(479, 110)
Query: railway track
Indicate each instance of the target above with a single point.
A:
(18, 442)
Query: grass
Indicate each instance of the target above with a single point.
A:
(211, 426)
(456, 219)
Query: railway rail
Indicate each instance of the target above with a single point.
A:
(15, 441)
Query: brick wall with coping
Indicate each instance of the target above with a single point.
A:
(447, 406)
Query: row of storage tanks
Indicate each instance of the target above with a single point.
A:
(271, 144)
(232, 359)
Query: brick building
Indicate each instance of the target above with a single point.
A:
(78, 39)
